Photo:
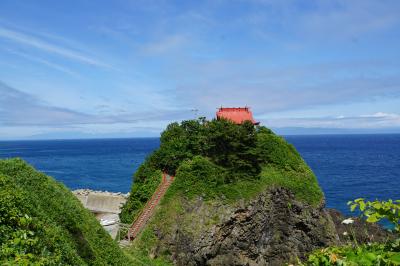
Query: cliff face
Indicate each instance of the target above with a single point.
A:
(272, 229)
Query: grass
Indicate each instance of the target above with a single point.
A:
(142, 247)
(141, 192)
(303, 185)
(69, 227)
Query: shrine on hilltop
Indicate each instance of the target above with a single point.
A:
(236, 114)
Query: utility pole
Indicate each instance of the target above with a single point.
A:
(195, 111)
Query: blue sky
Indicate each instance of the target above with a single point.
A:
(128, 68)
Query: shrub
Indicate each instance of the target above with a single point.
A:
(199, 176)
(234, 148)
(42, 221)
(223, 142)
(273, 149)
(376, 210)
(364, 255)
(367, 254)
(20, 234)
(141, 191)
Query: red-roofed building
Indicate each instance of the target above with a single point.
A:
(236, 114)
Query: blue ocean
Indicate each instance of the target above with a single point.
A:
(347, 166)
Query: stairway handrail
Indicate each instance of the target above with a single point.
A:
(162, 183)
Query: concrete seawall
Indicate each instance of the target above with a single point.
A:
(106, 206)
(102, 202)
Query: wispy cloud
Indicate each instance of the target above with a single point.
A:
(377, 120)
(44, 62)
(336, 19)
(351, 18)
(45, 46)
(268, 90)
(18, 108)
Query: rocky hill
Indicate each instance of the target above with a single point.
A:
(241, 196)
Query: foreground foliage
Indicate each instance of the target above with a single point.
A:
(367, 254)
(43, 223)
(19, 233)
(363, 255)
(376, 211)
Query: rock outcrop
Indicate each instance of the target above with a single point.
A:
(359, 231)
(272, 229)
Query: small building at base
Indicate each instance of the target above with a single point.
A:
(237, 115)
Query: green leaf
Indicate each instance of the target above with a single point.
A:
(395, 259)
(372, 219)
(377, 205)
(362, 205)
(371, 256)
(353, 207)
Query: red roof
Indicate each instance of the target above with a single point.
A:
(236, 114)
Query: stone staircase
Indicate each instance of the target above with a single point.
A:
(148, 209)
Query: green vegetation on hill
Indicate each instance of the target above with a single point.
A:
(43, 223)
(218, 162)
(219, 159)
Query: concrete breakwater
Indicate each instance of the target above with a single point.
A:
(101, 201)
(105, 205)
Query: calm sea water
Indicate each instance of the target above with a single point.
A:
(99, 164)
(347, 166)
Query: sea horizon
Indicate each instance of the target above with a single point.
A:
(155, 137)
(346, 165)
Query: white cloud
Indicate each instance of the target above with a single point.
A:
(44, 62)
(31, 41)
(244, 82)
(21, 109)
(381, 115)
(378, 120)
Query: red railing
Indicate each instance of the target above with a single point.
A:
(148, 209)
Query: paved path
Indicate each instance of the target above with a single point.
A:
(148, 209)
